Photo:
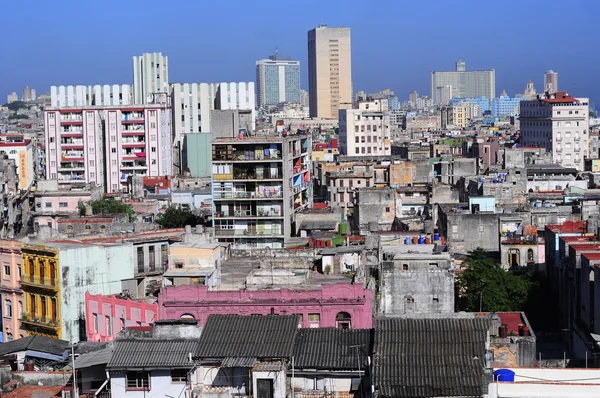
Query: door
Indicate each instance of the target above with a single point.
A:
(264, 388)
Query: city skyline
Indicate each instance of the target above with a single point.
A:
(96, 58)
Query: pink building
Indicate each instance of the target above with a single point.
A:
(106, 316)
(11, 294)
(340, 305)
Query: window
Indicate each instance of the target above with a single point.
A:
(140, 259)
(178, 375)
(154, 149)
(92, 163)
(314, 319)
(113, 150)
(7, 270)
(63, 204)
(48, 204)
(8, 308)
(164, 254)
(107, 325)
(138, 380)
(152, 125)
(95, 322)
(122, 323)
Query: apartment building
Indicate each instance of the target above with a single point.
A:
(463, 83)
(11, 295)
(259, 183)
(97, 95)
(278, 81)
(366, 131)
(107, 144)
(150, 77)
(56, 277)
(559, 123)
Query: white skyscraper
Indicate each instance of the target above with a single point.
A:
(278, 80)
(465, 84)
(150, 76)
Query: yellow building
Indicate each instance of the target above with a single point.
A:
(40, 283)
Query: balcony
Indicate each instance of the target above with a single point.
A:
(249, 214)
(133, 117)
(133, 144)
(70, 143)
(243, 233)
(40, 282)
(75, 166)
(70, 177)
(35, 321)
(248, 195)
(71, 121)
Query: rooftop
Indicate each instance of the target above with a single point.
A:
(332, 348)
(146, 353)
(568, 227)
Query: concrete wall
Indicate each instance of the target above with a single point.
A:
(465, 231)
(279, 382)
(93, 269)
(160, 386)
(416, 284)
(197, 154)
(377, 209)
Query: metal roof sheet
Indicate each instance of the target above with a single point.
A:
(331, 348)
(152, 354)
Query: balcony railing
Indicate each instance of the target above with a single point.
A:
(248, 213)
(248, 195)
(242, 232)
(46, 322)
(40, 281)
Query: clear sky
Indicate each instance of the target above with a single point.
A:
(395, 43)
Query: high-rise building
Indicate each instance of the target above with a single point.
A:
(444, 94)
(278, 80)
(258, 184)
(506, 106)
(150, 76)
(26, 97)
(366, 131)
(32, 94)
(465, 84)
(13, 97)
(413, 97)
(559, 123)
(551, 81)
(191, 105)
(107, 144)
(304, 98)
(329, 70)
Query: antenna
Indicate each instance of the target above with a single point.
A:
(276, 51)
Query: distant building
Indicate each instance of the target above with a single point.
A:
(413, 98)
(27, 94)
(277, 80)
(465, 84)
(530, 92)
(150, 76)
(329, 70)
(304, 98)
(559, 123)
(259, 183)
(13, 97)
(365, 131)
(506, 106)
(107, 144)
(551, 81)
(11, 295)
(22, 152)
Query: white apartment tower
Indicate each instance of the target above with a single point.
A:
(329, 70)
(150, 76)
(106, 95)
(464, 83)
(559, 123)
(366, 131)
(107, 144)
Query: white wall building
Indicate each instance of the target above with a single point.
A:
(465, 84)
(13, 97)
(150, 76)
(191, 105)
(559, 123)
(366, 131)
(106, 144)
(106, 95)
(22, 153)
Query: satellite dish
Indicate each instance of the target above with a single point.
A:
(150, 98)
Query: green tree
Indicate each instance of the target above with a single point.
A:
(484, 284)
(17, 116)
(16, 105)
(175, 217)
(108, 205)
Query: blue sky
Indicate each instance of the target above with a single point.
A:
(395, 44)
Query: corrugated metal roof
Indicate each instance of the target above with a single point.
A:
(238, 362)
(152, 354)
(331, 348)
(258, 336)
(37, 343)
(429, 357)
